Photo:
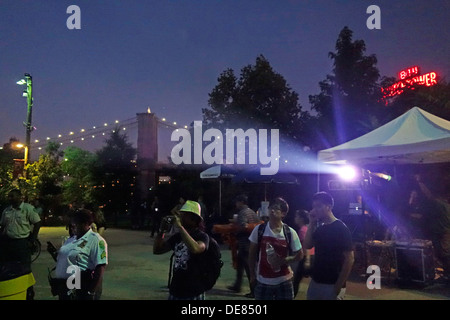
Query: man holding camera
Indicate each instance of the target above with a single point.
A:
(188, 243)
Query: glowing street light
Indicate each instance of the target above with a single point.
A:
(28, 93)
(19, 145)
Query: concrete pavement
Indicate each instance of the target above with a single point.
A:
(135, 273)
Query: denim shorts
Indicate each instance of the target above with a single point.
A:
(282, 291)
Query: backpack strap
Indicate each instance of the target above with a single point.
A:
(288, 236)
(261, 229)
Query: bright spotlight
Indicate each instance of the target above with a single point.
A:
(347, 173)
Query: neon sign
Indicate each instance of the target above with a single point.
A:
(409, 79)
(408, 73)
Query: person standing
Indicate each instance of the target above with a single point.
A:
(436, 215)
(188, 243)
(245, 217)
(332, 244)
(19, 229)
(37, 204)
(176, 209)
(301, 220)
(273, 246)
(155, 216)
(85, 251)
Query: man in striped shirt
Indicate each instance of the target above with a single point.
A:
(245, 217)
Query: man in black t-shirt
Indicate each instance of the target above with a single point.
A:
(187, 245)
(332, 244)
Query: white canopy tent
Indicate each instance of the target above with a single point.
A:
(415, 137)
(218, 172)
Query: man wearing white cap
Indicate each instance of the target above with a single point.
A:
(187, 245)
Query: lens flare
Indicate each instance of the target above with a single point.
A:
(347, 173)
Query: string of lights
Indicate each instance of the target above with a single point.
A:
(95, 132)
(168, 124)
(84, 134)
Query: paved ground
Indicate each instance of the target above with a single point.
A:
(134, 273)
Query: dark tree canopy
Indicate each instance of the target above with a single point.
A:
(115, 174)
(259, 98)
(348, 104)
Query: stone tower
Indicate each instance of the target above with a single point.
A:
(147, 152)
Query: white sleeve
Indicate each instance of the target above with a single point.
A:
(32, 215)
(296, 245)
(99, 252)
(254, 235)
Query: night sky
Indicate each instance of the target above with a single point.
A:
(168, 54)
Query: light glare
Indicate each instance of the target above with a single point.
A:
(347, 173)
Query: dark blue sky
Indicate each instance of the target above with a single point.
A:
(167, 54)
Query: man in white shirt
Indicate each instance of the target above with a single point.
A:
(271, 250)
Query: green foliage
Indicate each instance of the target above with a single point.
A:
(7, 155)
(76, 176)
(78, 167)
(43, 178)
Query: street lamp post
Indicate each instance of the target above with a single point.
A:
(28, 93)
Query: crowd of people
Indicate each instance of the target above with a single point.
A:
(273, 256)
(83, 253)
(267, 248)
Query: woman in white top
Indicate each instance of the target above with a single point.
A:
(81, 261)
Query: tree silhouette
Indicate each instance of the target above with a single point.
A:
(259, 98)
(115, 174)
(349, 103)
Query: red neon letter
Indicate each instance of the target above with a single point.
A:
(433, 78)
